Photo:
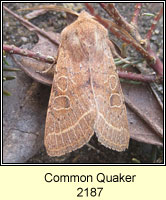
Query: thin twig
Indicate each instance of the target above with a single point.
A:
(49, 59)
(52, 7)
(125, 38)
(153, 26)
(33, 27)
(114, 13)
(25, 52)
(158, 65)
(119, 19)
(137, 77)
(92, 147)
(134, 20)
(153, 88)
(151, 58)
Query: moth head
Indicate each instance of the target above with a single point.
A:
(86, 37)
(84, 15)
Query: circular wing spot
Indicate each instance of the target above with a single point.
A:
(113, 82)
(62, 102)
(62, 83)
(115, 100)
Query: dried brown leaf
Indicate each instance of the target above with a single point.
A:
(143, 98)
(32, 67)
(23, 118)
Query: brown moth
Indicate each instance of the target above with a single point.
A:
(86, 95)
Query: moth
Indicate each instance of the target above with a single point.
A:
(86, 96)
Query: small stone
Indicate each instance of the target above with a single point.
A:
(24, 39)
(154, 37)
(157, 31)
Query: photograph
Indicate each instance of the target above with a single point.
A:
(83, 83)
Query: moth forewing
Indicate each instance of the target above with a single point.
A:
(86, 95)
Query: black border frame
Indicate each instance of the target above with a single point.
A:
(19, 164)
